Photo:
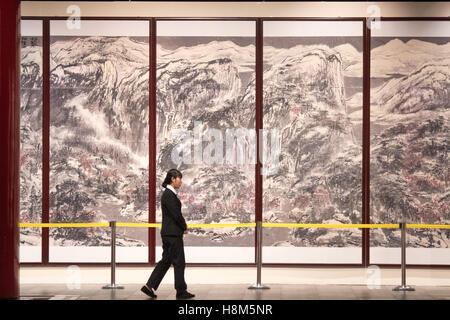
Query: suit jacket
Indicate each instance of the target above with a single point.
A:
(173, 223)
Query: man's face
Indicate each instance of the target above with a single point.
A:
(176, 182)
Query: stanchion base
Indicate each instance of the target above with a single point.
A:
(112, 286)
(404, 288)
(258, 286)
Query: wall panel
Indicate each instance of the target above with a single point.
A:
(313, 102)
(410, 121)
(31, 139)
(99, 110)
(205, 128)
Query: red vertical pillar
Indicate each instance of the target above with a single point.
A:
(9, 147)
(152, 144)
(258, 124)
(366, 146)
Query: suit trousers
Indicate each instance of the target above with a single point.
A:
(173, 254)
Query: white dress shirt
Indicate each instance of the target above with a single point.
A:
(172, 188)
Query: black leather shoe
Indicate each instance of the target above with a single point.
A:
(148, 292)
(185, 295)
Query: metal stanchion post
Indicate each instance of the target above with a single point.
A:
(403, 287)
(258, 284)
(113, 284)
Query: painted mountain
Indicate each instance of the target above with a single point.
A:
(307, 97)
(211, 84)
(410, 122)
(319, 179)
(31, 139)
(98, 137)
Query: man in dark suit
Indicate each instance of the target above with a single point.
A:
(172, 231)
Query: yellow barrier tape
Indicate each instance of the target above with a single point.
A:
(232, 225)
(63, 225)
(147, 225)
(312, 225)
(158, 225)
(222, 225)
(428, 226)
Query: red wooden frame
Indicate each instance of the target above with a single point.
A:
(259, 44)
(366, 147)
(152, 146)
(45, 137)
(365, 212)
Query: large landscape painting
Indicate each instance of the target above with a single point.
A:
(205, 127)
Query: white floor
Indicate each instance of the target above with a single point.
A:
(371, 276)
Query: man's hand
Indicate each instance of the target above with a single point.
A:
(186, 231)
